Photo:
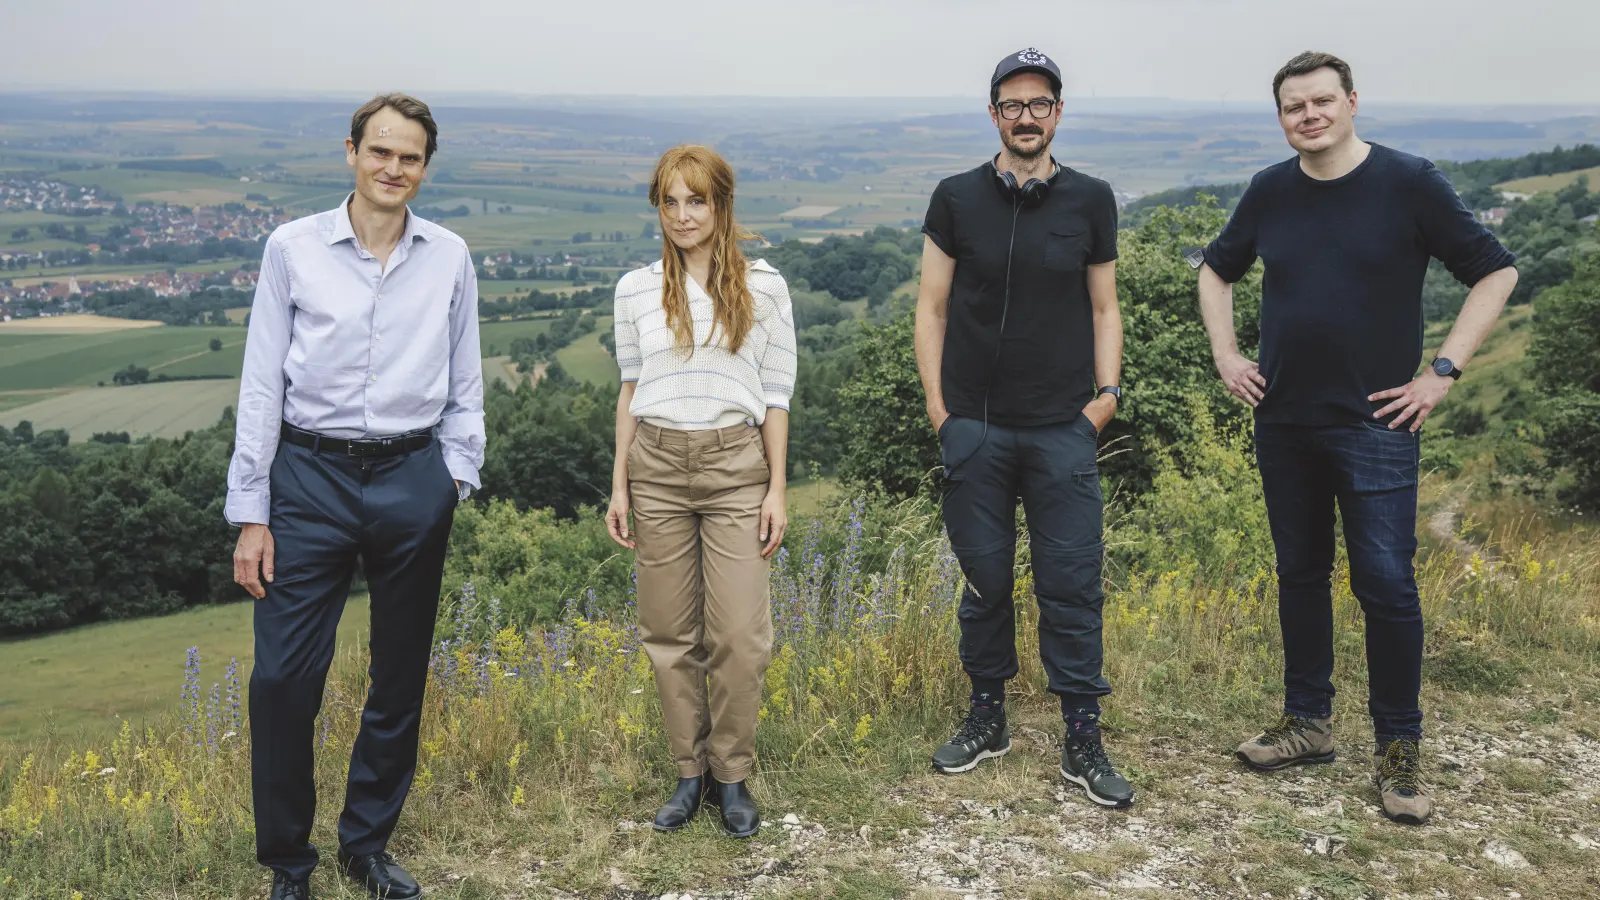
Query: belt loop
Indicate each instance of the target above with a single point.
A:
(316, 443)
(722, 443)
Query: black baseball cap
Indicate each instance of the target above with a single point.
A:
(1029, 60)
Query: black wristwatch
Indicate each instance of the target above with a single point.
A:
(1111, 389)
(1445, 368)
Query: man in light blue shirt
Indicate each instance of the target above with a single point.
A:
(360, 427)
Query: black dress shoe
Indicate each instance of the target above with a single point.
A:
(740, 817)
(286, 888)
(681, 807)
(380, 875)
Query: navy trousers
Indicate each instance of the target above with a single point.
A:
(1052, 470)
(328, 510)
(1371, 472)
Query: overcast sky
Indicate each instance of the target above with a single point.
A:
(1427, 51)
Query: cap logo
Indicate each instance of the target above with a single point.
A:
(1032, 57)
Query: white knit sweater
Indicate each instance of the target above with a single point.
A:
(708, 387)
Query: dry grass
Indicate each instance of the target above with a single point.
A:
(542, 752)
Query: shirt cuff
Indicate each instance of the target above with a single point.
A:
(247, 507)
(462, 471)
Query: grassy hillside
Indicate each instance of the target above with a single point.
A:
(1542, 183)
(80, 685)
(543, 756)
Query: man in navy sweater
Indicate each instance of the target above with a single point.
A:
(1345, 230)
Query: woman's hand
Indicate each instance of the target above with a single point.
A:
(774, 520)
(617, 517)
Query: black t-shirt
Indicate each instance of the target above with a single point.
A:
(1044, 373)
(1341, 299)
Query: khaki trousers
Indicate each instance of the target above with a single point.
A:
(704, 615)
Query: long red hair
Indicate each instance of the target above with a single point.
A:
(705, 173)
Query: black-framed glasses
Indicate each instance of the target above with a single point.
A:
(1040, 108)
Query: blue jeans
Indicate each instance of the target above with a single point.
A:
(1371, 472)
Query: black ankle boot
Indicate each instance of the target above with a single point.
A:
(739, 814)
(679, 810)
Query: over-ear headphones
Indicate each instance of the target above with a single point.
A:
(1031, 193)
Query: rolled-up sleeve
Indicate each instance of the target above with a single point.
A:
(260, 413)
(778, 364)
(461, 429)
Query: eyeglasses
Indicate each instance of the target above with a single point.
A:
(1012, 109)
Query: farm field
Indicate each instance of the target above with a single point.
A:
(587, 360)
(1539, 183)
(88, 680)
(31, 361)
(158, 410)
(495, 337)
(73, 324)
(501, 368)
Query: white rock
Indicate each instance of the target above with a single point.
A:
(1583, 843)
(1501, 855)
(791, 819)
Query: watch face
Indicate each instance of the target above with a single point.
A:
(1442, 366)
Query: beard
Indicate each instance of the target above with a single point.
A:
(1021, 152)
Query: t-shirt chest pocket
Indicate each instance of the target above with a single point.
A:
(1066, 247)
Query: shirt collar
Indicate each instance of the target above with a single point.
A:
(344, 231)
(760, 265)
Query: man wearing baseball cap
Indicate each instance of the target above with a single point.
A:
(1019, 344)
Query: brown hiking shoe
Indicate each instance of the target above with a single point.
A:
(1293, 741)
(1399, 781)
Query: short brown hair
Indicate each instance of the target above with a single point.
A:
(404, 104)
(1309, 62)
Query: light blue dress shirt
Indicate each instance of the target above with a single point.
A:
(340, 346)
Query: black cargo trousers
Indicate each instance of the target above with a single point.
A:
(1052, 470)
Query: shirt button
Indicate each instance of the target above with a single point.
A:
(374, 378)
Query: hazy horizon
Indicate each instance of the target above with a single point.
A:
(1404, 52)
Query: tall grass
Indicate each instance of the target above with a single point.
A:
(539, 742)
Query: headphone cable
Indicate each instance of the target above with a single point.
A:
(1005, 309)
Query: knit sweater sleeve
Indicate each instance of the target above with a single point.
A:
(626, 333)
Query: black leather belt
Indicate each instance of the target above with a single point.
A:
(366, 448)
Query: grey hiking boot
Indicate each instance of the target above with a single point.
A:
(1398, 776)
(1085, 764)
(982, 736)
(1293, 741)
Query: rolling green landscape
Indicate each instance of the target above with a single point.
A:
(81, 685)
(543, 753)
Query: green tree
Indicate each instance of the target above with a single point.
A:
(216, 344)
(1167, 366)
(1166, 353)
(888, 440)
(1566, 331)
